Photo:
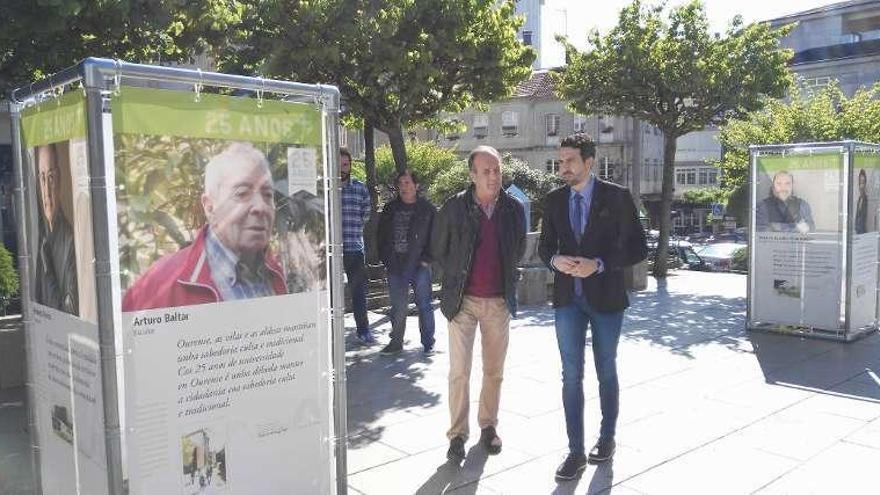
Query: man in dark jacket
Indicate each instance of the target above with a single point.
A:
(590, 232)
(782, 211)
(56, 283)
(405, 249)
(478, 239)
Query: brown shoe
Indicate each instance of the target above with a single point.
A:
(490, 440)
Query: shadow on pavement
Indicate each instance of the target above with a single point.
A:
(838, 368)
(677, 321)
(680, 321)
(451, 477)
(378, 385)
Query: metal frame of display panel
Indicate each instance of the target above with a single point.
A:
(99, 78)
(843, 332)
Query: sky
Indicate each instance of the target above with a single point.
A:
(602, 14)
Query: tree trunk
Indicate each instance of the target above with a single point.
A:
(398, 146)
(370, 165)
(669, 146)
(370, 229)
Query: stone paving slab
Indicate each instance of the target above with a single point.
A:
(706, 407)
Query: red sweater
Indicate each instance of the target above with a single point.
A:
(485, 277)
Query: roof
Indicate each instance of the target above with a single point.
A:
(823, 9)
(540, 85)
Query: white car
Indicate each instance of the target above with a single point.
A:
(718, 257)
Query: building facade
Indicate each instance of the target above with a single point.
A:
(543, 21)
(530, 124)
(839, 42)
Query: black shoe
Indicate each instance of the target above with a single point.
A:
(490, 440)
(572, 467)
(456, 449)
(428, 351)
(391, 349)
(602, 451)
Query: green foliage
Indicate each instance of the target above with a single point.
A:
(44, 36)
(672, 72)
(449, 182)
(705, 196)
(426, 158)
(397, 62)
(535, 183)
(824, 115)
(8, 279)
(740, 260)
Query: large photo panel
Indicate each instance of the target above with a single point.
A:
(864, 204)
(223, 281)
(64, 355)
(798, 243)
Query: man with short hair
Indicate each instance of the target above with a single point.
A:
(590, 232)
(56, 281)
(355, 214)
(230, 257)
(781, 210)
(405, 249)
(478, 240)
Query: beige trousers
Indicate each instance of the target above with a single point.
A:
(494, 320)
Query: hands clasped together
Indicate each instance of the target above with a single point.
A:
(576, 266)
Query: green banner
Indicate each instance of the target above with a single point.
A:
(818, 161)
(56, 120)
(866, 160)
(177, 113)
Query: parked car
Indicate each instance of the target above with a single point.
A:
(719, 257)
(681, 255)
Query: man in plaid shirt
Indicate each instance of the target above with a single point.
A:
(355, 213)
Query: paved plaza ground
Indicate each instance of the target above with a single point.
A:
(706, 408)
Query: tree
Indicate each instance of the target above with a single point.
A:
(808, 116)
(535, 183)
(8, 279)
(40, 37)
(674, 74)
(396, 62)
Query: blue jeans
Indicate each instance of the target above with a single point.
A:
(419, 279)
(353, 262)
(571, 334)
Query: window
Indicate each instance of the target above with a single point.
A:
(646, 171)
(606, 129)
(527, 38)
(680, 177)
(580, 123)
(606, 168)
(703, 176)
(552, 166)
(551, 124)
(816, 83)
(691, 174)
(713, 176)
(509, 123)
(481, 125)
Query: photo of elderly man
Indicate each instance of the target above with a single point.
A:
(230, 257)
(56, 282)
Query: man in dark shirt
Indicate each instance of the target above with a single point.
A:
(862, 204)
(404, 246)
(56, 284)
(782, 211)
